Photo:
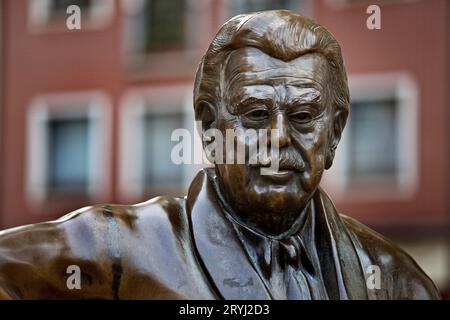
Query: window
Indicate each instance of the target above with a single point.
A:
(343, 3)
(148, 117)
(57, 8)
(235, 7)
(377, 156)
(241, 6)
(67, 147)
(372, 147)
(158, 166)
(156, 25)
(164, 38)
(51, 15)
(68, 155)
(164, 24)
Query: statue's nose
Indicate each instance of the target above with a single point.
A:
(279, 123)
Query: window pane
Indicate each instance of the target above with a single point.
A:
(158, 165)
(68, 155)
(60, 6)
(246, 6)
(373, 140)
(164, 24)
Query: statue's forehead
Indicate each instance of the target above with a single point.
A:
(251, 66)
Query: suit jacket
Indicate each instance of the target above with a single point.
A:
(185, 248)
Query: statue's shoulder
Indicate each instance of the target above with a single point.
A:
(162, 214)
(159, 208)
(403, 276)
(94, 238)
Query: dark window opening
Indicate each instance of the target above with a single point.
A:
(373, 143)
(68, 155)
(160, 171)
(247, 6)
(59, 7)
(164, 25)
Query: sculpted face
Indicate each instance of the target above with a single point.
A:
(262, 92)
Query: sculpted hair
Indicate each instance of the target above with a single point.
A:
(281, 34)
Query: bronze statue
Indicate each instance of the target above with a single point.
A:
(238, 234)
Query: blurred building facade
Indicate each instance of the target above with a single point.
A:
(86, 115)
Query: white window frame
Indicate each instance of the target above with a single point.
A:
(39, 12)
(401, 87)
(43, 108)
(198, 23)
(136, 103)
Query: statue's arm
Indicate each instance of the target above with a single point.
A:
(35, 259)
(401, 276)
(411, 282)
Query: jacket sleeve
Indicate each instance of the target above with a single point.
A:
(411, 282)
(65, 258)
(401, 277)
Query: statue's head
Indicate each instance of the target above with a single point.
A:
(273, 70)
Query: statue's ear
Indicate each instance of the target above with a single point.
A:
(338, 122)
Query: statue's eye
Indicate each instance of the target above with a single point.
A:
(257, 114)
(301, 117)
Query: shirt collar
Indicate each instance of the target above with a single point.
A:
(298, 249)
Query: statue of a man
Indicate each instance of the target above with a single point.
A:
(238, 234)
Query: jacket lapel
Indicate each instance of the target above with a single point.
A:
(218, 246)
(350, 281)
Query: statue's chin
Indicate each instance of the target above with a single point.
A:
(272, 214)
(270, 209)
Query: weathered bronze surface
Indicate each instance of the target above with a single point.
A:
(237, 234)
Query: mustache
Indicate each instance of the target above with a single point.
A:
(288, 160)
